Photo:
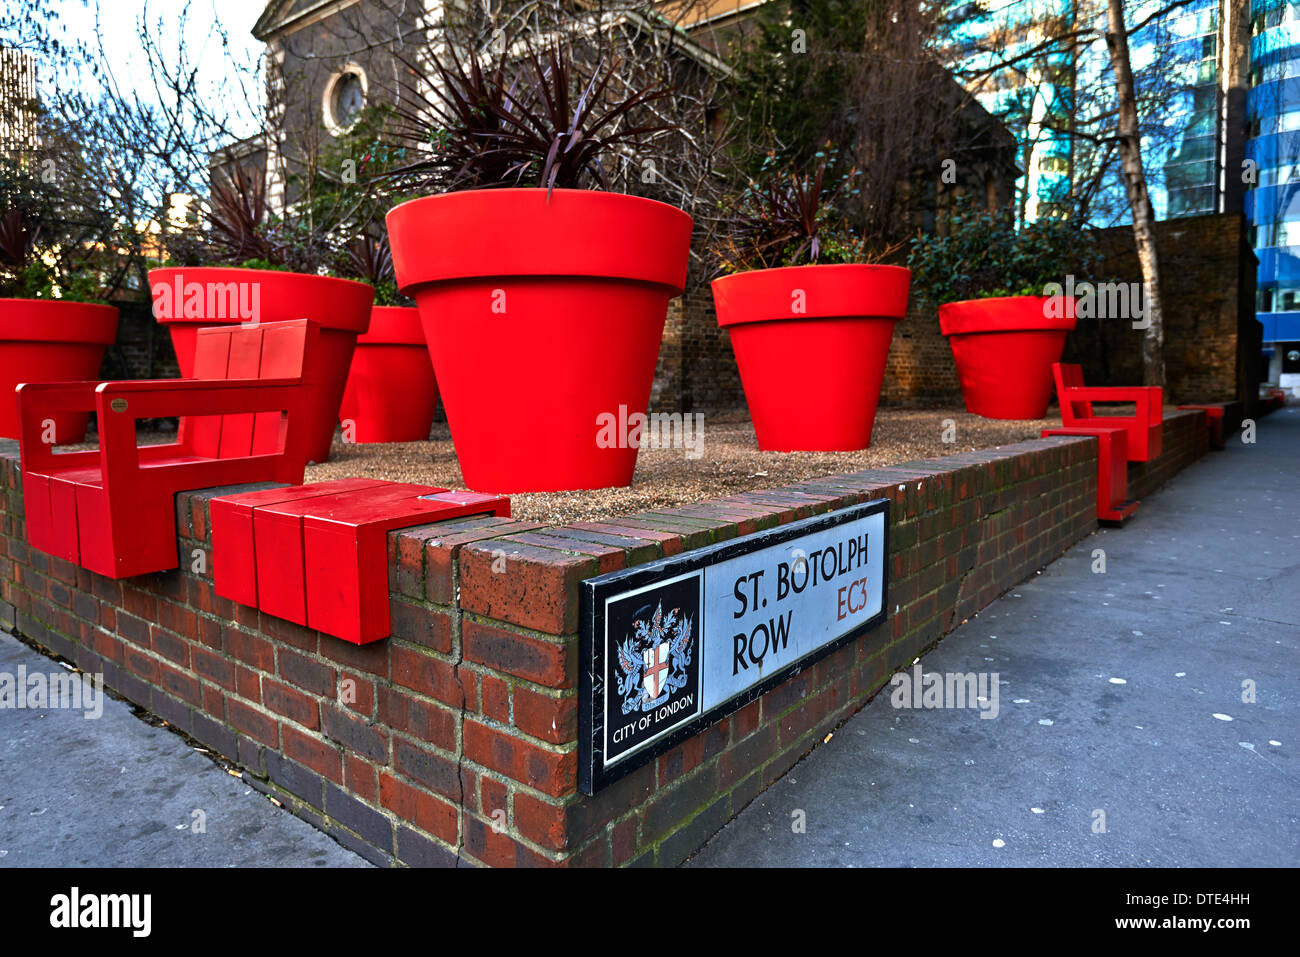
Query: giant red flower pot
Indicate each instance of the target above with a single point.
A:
(391, 391)
(185, 299)
(51, 340)
(543, 316)
(811, 344)
(1004, 349)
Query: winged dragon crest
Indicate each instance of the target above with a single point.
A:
(642, 651)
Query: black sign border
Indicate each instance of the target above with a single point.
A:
(592, 777)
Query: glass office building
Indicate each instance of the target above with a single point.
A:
(1185, 146)
(1273, 205)
(1187, 174)
(1026, 98)
(1035, 98)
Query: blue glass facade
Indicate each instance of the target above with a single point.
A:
(1180, 146)
(1184, 166)
(1184, 153)
(1273, 204)
(1027, 98)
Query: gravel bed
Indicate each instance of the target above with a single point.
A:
(729, 462)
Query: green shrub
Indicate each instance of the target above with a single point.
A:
(983, 255)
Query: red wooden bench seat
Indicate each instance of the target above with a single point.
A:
(234, 567)
(1113, 503)
(1145, 426)
(112, 510)
(317, 554)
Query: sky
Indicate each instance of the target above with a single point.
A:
(118, 24)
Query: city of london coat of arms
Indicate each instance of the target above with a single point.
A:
(654, 660)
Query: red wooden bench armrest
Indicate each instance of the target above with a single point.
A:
(148, 398)
(37, 401)
(1112, 393)
(184, 385)
(59, 396)
(118, 455)
(155, 399)
(159, 398)
(1148, 398)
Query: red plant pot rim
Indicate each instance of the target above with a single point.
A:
(393, 326)
(765, 295)
(329, 319)
(69, 321)
(1003, 314)
(575, 223)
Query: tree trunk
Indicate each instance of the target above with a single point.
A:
(1144, 220)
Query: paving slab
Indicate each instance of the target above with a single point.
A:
(1112, 743)
(115, 791)
(1147, 714)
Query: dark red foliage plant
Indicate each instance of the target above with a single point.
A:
(528, 118)
(788, 217)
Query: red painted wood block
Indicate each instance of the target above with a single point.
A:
(281, 549)
(346, 554)
(234, 565)
(1145, 427)
(112, 510)
(1113, 504)
(36, 505)
(317, 554)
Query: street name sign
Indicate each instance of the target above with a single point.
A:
(672, 646)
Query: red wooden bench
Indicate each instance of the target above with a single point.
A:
(112, 510)
(317, 554)
(1145, 427)
(1214, 414)
(1113, 503)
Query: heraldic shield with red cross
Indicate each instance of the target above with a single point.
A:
(656, 669)
(649, 673)
(654, 659)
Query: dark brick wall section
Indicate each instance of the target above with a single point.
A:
(143, 349)
(1212, 340)
(455, 741)
(1186, 438)
(697, 369)
(1207, 287)
(920, 366)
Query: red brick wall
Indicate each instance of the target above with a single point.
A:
(456, 738)
(920, 365)
(1186, 438)
(696, 369)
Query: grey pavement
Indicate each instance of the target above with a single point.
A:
(114, 791)
(1117, 690)
(1121, 694)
